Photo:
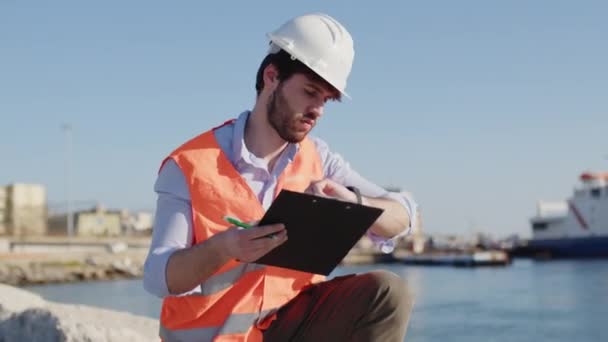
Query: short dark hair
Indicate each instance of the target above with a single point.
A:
(287, 67)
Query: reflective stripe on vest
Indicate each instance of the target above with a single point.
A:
(222, 281)
(235, 324)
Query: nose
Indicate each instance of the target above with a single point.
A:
(316, 109)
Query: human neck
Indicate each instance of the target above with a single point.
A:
(261, 138)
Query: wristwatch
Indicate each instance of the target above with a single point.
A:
(357, 193)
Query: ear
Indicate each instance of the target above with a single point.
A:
(271, 76)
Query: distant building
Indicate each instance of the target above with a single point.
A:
(94, 222)
(138, 223)
(3, 211)
(23, 210)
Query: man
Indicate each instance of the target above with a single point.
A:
(202, 266)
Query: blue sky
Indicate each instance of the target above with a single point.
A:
(479, 108)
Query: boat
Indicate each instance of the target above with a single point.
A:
(471, 259)
(574, 228)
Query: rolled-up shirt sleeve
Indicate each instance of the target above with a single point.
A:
(336, 168)
(388, 245)
(172, 228)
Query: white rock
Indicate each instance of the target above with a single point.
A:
(13, 299)
(27, 317)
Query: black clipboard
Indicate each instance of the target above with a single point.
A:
(321, 231)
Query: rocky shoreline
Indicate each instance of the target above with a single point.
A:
(25, 316)
(20, 270)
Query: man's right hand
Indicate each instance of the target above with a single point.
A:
(248, 245)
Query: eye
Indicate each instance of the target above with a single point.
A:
(313, 93)
(310, 92)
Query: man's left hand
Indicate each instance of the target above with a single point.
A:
(331, 189)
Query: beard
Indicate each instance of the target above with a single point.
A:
(284, 119)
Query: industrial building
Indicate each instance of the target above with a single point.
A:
(23, 210)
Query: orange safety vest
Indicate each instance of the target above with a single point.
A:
(239, 300)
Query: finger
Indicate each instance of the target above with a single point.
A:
(269, 239)
(268, 242)
(329, 189)
(258, 252)
(257, 248)
(339, 191)
(319, 188)
(314, 188)
(261, 252)
(259, 231)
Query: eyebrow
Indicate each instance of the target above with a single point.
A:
(320, 89)
(316, 87)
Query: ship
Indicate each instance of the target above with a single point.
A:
(574, 228)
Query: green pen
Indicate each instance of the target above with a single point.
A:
(244, 225)
(236, 222)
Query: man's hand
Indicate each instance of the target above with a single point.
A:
(248, 245)
(206, 258)
(331, 189)
(393, 221)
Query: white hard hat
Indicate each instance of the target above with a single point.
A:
(321, 43)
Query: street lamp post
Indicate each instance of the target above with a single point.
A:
(67, 130)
